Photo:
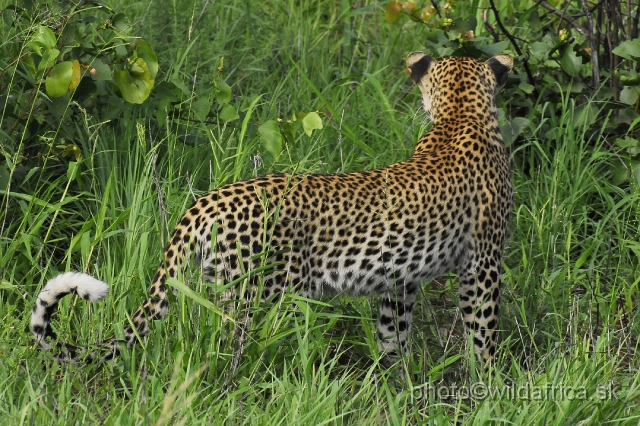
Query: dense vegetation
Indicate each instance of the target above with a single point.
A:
(115, 116)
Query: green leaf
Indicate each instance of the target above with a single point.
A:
(467, 24)
(496, 48)
(628, 77)
(311, 122)
(627, 143)
(201, 108)
(48, 59)
(511, 128)
(72, 170)
(59, 78)
(224, 93)
(271, 137)
(5, 175)
(121, 52)
(181, 87)
(228, 113)
(540, 50)
(629, 95)
(113, 108)
(629, 49)
(526, 87)
(619, 172)
(136, 83)
(103, 72)
(636, 173)
(167, 89)
(289, 131)
(585, 115)
(42, 39)
(570, 62)
(145, 51)
(120, 22)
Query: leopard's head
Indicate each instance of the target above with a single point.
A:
(457, 87)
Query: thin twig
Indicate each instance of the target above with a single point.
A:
(579, 28)
(525, 61)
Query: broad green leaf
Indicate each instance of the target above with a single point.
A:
(271, 137)
(140, 69)
(228, 113)
(311, 122)
(511, 128)
(181, 86)
(467, 24)
(121, 52)
(574, 87)
(42, 39)
(135, 84)
(619, 172)
(145, 51)
(161, 116)
(48, 59)
(629, 95)
(59, 79)
(540, 50)
(570, 62)
(224, 93)
(627, 142)
(496, 48)
(103, 72)
(201, 108)
(585, 115)
(167, 89)
(636, 173)
(120, 22)
(526, 87)
(629, 49)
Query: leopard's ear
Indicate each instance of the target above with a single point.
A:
(418, 63)
(500, 65)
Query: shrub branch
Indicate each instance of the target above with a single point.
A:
(525, 60)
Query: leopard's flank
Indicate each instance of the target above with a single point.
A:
(378, 232)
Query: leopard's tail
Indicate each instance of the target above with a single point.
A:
(91, 289)
(56, 288)
(155, 307)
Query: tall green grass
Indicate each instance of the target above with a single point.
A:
(569, 308)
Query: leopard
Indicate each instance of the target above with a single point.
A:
(381, 232)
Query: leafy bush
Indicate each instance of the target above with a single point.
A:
(64, 62)
(557, 52)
